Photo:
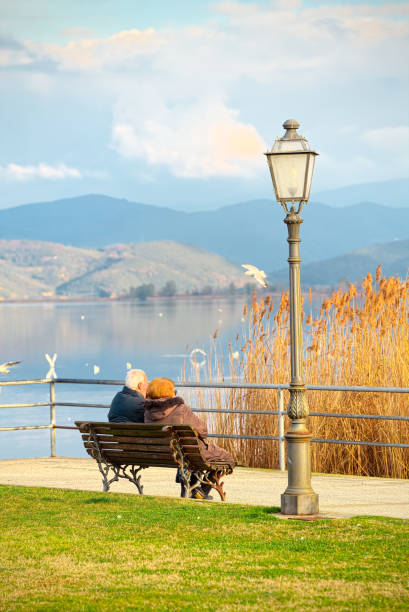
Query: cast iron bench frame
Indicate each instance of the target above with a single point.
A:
(128, 448)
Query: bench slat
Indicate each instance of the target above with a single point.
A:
(131, 428)
(185, 442)
(129, 425)
(148, 456)
(131, 439)
(146, 448)
(157, 433)
(132, 458)
(142, 462)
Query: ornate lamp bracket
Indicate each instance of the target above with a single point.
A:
(293, 212)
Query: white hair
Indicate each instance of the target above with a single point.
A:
(133, 378)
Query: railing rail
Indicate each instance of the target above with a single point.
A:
(280, 413)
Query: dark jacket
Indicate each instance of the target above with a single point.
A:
(127, 406)
(174, 411)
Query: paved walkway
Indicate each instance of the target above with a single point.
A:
(340, 496)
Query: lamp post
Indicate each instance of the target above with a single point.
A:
(291, 164)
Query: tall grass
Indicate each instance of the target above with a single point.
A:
(359, 337)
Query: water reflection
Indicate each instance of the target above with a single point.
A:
(155, 336)
(109, 334)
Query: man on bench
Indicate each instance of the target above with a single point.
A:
(163, 406)
(127, 405)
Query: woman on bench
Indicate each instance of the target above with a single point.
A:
(163, 406)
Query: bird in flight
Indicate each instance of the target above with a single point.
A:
(259, 275)
(5, 367)
(51, 362)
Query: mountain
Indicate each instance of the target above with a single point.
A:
(249, 232)
(393, 193)
(393, 256)
(37, 269)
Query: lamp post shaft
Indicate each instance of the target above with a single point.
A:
(298, 498)
(293, 222)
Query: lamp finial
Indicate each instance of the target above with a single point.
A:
(291, 125)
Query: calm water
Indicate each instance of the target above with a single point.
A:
(157, 337)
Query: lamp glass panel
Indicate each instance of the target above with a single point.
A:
(309, 177)
(289, 173)
(296, 144)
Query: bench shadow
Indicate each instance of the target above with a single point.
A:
(99, 500)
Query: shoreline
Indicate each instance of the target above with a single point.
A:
(156, 298)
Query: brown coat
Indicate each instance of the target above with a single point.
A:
(174, 411)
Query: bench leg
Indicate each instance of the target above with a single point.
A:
(120, 472)
(185, 476)
(136, 480)
(216, 484)
(214, 481)
(104, 469)
(185, 473)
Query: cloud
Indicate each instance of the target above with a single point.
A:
(9, 43)
(252, 39)
(17, 172)
(76, 32)
(394, 139)
(390, 146)
(196, 98)
(120, 51)
(204, 140)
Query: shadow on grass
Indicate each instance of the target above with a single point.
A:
(99, 500)
(271, 510)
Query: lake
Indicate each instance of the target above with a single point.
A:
(157, 336)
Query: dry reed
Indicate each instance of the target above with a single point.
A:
(359, 337)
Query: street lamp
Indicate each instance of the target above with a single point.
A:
(291, 164)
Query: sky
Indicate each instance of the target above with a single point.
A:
(174, 103)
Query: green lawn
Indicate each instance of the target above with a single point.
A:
(76, 550)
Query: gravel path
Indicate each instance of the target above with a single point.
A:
(340, 496)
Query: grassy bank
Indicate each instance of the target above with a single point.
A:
(76, 550)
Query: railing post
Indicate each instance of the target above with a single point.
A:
(281, 450)
(52, 418)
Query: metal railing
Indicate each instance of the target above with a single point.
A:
(280, 413)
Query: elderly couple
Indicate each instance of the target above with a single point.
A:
(157, 402)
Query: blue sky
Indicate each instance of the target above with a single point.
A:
(173, 103)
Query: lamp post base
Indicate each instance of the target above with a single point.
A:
(301, 503)
(299, 498)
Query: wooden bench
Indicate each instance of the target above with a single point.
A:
(127, 448)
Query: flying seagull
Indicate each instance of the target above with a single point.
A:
(259, 275)
(51, 362)
(5, 367)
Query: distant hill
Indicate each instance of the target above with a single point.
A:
(34, 269)
(250, 232)
(31, 269)
(393, 256)
(392, 194)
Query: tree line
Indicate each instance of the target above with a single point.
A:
(170, 289)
